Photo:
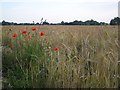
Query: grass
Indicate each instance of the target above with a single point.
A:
(87, 57)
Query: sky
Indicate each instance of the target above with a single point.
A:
(56, 11)
(119, 9)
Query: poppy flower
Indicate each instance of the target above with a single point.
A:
(42, 34)
(56, 49)
(24, 32)
(33, 29)
(14, 35)
(29, 37)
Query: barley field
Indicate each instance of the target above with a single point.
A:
(60, 56)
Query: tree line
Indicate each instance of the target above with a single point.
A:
(115, 21)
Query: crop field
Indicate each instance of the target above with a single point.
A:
(59, 56)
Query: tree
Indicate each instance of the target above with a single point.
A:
(45, 22)
(37, 23)
(5, 23)
(62, 23)
(91, 22)
(115, 21)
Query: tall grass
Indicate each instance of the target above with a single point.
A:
(87, 57)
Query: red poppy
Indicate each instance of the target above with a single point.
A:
(24, 32)
(29, 37)
(56, 49)
(42, 34)
(33, 29)
(14, 35)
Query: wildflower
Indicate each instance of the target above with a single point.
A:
(24, 32)
(42, 34)
(33, 29)
(14, 35)
(56, 49)
(29, 37)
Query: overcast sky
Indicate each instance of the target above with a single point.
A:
(56, 11)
